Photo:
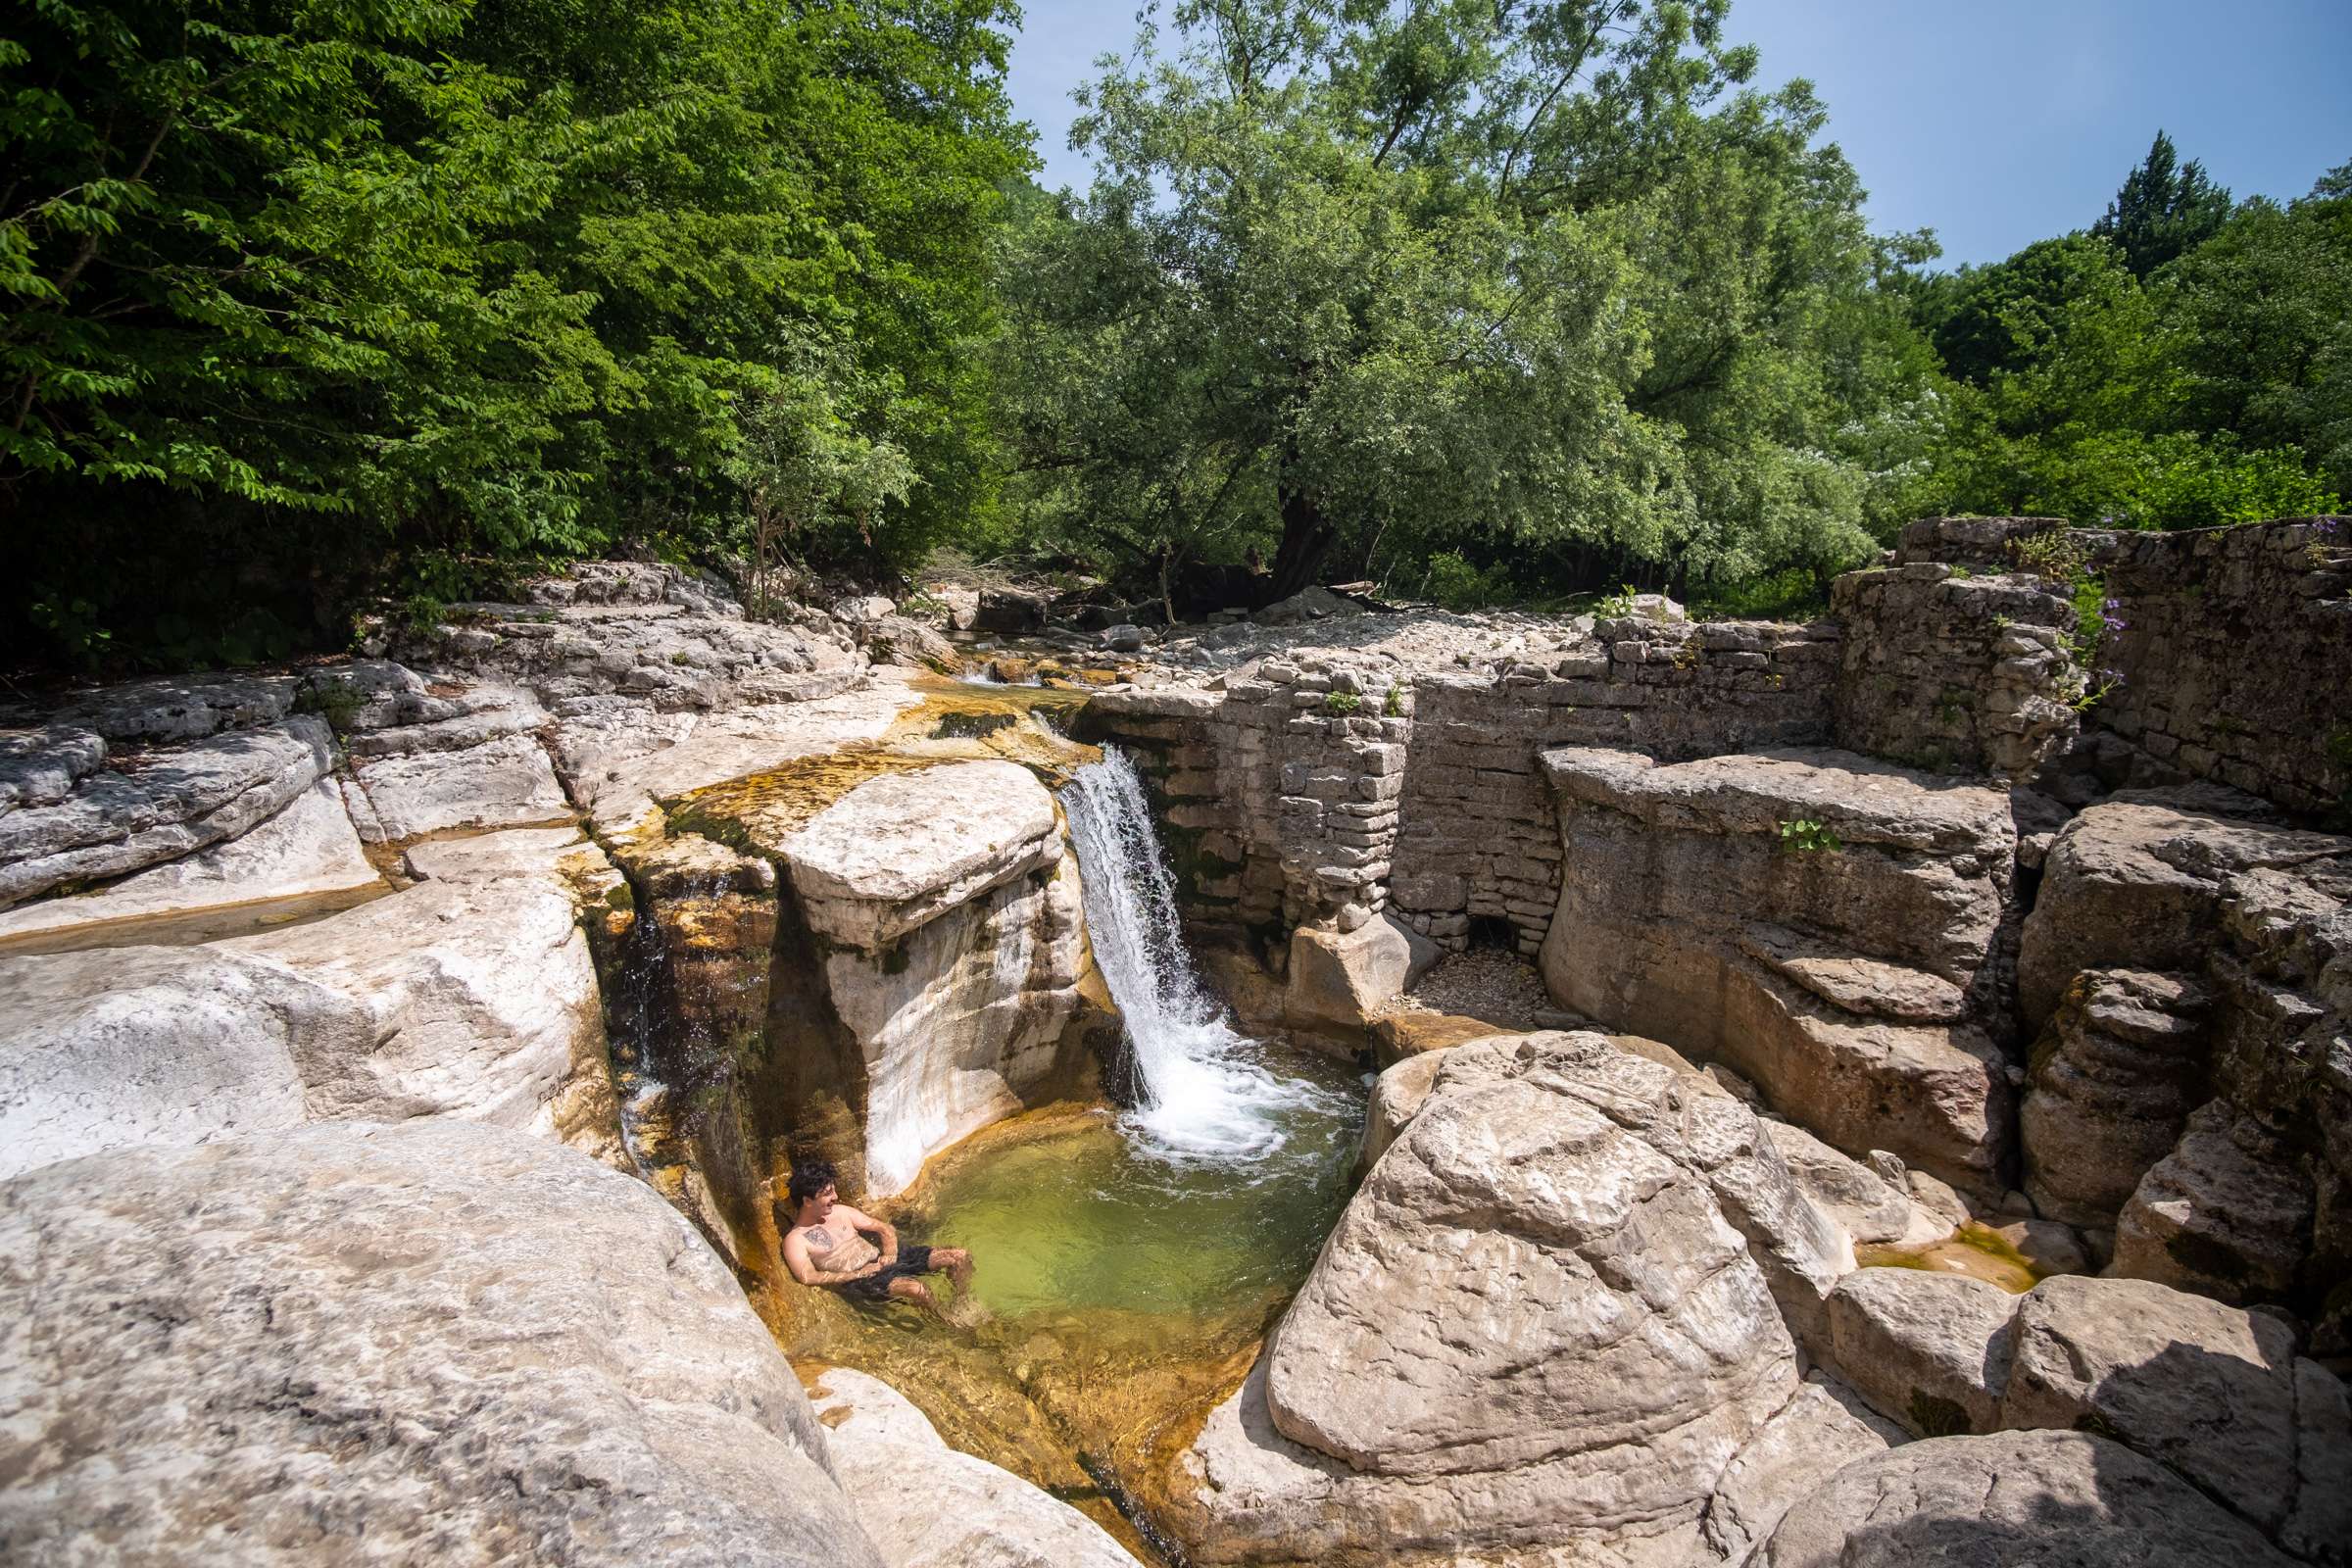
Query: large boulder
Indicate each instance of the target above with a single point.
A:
(142, 808)
(968, 1513)
(305, 857)
(2215, 1392)
(1533, 1325)
(2225, 1212)
(1926, 1350)
(432, 1342)
(1807, 1440)
(2137, 882)
(1823, 924)
(1339, 979)
(2114, 1078)
(2021, 1497)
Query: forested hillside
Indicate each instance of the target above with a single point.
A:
(312, 308)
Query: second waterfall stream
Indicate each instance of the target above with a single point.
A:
(1204, 1090)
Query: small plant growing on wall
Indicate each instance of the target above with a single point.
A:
(1616, 606)
(1394, 705)
(1341, 703)
(1805, 836)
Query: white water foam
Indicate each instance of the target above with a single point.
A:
(1204, 1090)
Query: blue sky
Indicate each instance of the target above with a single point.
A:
(1994, 123)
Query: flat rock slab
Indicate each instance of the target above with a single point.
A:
(145, 807)
(1861, 799)
(971, 1513)
(507, 782)
(306, 856)
(430, 1343)
(901, 850)
(2020, 1498)
(184, 707)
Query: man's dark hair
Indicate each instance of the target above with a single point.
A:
(810, 1178)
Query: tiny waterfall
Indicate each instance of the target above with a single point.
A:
(1203, 1089)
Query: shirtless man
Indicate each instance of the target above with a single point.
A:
(827, 1246)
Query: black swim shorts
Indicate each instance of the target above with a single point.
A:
(875, 1287)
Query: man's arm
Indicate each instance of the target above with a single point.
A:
(796, 1258)
(882, 1228)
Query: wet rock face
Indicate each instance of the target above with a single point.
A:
(435, 1342)
(1823, 924)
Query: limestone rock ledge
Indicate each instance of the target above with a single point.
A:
(906, 962)
(471, 994)
(1827, 926)
(363, 1344)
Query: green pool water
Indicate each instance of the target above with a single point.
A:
(1092, 1219)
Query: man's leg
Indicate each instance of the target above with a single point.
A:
(915, 1290)
(957, 1262)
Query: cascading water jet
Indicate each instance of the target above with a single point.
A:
(1204, 1090)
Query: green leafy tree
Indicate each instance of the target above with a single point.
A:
(308, 300)
(2260, 322)
(1543, 282)
(2165, 210)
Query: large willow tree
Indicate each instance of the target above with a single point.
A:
(1359, 282)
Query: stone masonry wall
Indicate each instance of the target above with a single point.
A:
(1950, 672)
(1279, 794)
(2235, 658)
(1479, 836)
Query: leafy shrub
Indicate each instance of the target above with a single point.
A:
(1805, 836)
(1341, 703)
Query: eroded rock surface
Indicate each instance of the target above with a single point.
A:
(432, 1342)
(305, 855)
(2114, 1078)
(2137, 882)
(471, 994)
(1533, 1325)
(1812, 919)
(142, 808)
(2024, 1496)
